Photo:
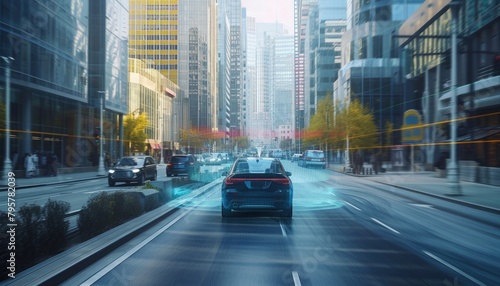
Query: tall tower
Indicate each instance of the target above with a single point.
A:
(153, 35)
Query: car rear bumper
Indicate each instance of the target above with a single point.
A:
(259, 201)
(315, 164)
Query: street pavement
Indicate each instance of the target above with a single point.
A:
(482, 196)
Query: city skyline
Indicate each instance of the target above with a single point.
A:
(280, 11)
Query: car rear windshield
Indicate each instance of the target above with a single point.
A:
(179, 159)
(257, 167)
(315, 154)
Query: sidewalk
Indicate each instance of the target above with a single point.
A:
(481, 196)
(23, 182)
(66, 176)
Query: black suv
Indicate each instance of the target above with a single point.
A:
(133, 169)
(182, 164)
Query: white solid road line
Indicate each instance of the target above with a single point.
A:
(455, 269)
(384, 225)
(296, 279)
(353, 206)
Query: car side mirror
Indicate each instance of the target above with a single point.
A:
(288, 173)
(223, 174)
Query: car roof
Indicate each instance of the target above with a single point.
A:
(137, 157)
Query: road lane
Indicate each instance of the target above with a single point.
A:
(318, 246)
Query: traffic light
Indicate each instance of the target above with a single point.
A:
(496, 65)
(97, 133)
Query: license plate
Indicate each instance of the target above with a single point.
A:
(316, 160)
(257, 184)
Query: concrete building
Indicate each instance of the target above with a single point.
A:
(152, 93)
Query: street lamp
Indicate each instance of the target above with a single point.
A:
(162, 127)
(101, 171)
(7, 163)
(452, 168)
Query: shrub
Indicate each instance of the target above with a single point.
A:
(96, 216)
(127, 206)
(104, 211)
(28, 235)
(55, 226)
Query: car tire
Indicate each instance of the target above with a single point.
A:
(225, 212)
(288, 212)
(141, 179)
(155, 176)
(111, 183)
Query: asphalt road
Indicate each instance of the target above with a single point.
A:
(345, 231)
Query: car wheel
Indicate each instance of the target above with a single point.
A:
(141, 179)
(225, 212)
(155, 176)
(111, 183)
(288, 212)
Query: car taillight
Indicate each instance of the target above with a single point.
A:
(308, 159)
(231, 181)
(282, 181)
(169, 165)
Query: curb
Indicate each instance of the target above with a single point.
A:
(449, 199)
(53, 183)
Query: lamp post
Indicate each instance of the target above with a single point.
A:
(7, 163)
(101, 171)
(162, 126)
(453, 181)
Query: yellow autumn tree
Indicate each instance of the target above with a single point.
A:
(134, 132)
(358, 124)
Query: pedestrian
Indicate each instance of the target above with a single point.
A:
(29, 165)
(376, 161)
(358, 163)
(51, 165)
(54, 165)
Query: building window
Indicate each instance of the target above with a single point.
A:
(378, 51)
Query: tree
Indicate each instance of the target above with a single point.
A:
(321, 129)
(358, 122)
(134, 132)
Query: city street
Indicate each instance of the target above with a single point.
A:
(346, 230)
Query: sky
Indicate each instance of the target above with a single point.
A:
(270, 11)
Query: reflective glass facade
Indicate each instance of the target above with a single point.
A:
(53, 86)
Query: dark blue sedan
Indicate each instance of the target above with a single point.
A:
(257, 184)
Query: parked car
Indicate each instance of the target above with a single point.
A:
(296, 157)
(182, 164)
(257, 184)
(200, 159)
(216, 158)
(313, 158)
(133, 169)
